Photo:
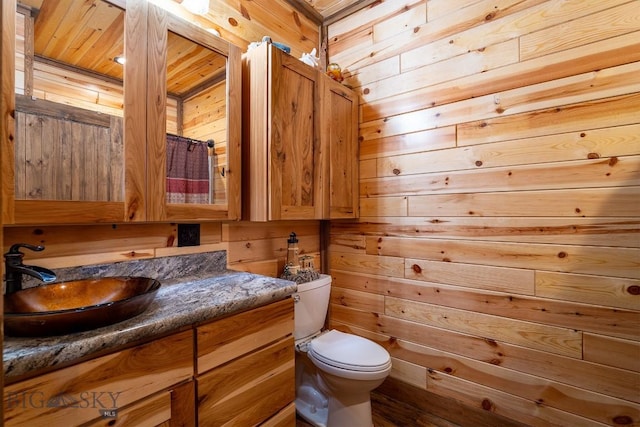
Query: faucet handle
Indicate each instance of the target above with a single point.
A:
(15, 249)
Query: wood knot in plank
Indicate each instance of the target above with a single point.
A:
(622, 420)
(396, 171)
(634, 290)
(487, 405)
(416, 268)
(613, 161)
(245, 13)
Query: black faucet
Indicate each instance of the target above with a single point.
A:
(14, 268)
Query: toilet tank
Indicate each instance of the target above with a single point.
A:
(311, 306)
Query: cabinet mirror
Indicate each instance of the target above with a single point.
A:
(154, 139)
(196, 123)
(200, 176)
(69, 101)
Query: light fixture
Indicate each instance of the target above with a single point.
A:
(198, 7)
(119, 59)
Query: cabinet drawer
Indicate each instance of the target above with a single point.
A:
(285, 418)
(250, 389)
(234, 336)
(79, 393)
(150, 412)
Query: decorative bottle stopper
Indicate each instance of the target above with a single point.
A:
(292, 254)
(335, 72)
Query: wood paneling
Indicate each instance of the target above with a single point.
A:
(497, 252)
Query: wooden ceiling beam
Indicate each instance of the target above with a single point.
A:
(305, 8)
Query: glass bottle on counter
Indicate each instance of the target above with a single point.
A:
(293, 262)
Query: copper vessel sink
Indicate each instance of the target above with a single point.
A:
(74, 306)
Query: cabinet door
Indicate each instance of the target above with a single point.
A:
(295, 162)
(63, 150)
(282, 173)
(339, 118)
(193, 122)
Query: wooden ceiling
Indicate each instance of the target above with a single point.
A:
(330, 8)
(88, 35)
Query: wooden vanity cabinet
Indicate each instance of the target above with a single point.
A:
(300, 139)
(237, 370)
(245, 368)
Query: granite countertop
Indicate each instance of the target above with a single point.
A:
(180, 302)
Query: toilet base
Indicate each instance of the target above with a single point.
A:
(314, 416)
(341, 414)
(349, 413)
(312, 405)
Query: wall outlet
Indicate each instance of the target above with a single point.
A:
(188, 234)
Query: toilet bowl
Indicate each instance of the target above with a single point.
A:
(335, 371)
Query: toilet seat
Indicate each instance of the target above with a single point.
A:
(349, 352)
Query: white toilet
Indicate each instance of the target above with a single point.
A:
(335, 371)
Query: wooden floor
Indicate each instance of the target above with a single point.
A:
(302, 423)
(389, 412)
(379, 421)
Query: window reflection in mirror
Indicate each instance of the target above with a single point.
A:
(196, 123)
(69, 101)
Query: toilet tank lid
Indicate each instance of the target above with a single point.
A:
(349, 351)
(324, 279)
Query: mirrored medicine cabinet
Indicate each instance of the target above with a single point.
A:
(123, 112)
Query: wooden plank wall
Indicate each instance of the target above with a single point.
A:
(256, 247)
(497, 254)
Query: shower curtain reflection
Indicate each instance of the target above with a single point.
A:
(187, 170)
